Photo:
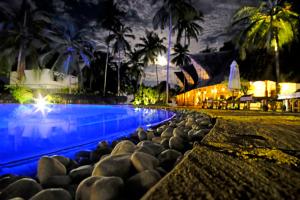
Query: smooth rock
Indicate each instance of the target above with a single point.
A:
(117, 165)
(161, 171)
(205, 123)
(197, 135)
(48, 167)
(177, 143)
(180, 132)
(57, 181)
(159, 130)
(52, 194)
(63, 160)
(156, 140)
(83, 191)
(142, 161)
(142, 135)
(7, 180)
(167, 133)
(83, 157)
(107, 188)
(99, 188)
(150, 135)
(173, 125)
(145, 149)
(155, 148)
(103, 148)
(181, 124)
(168, 158)
(81, 173)
(123, 147)
(165, 143)
(24, 188)
(138, 184)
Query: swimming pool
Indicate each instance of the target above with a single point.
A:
(26, 133)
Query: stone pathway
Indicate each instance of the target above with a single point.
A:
(247, 155)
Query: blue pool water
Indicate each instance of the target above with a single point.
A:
(26, 133)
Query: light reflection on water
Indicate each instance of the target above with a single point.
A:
(26, 133)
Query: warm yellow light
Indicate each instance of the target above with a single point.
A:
(287, 88)
(223, 89)
(259, 88)
(161, 60)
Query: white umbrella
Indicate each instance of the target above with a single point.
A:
(234, 82)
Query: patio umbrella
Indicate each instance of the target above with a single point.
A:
(234, 82)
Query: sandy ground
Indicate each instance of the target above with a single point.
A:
(247, 155)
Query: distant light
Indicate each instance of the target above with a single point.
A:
(161, 60)
(41, 104)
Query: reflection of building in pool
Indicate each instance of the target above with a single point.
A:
(45, 79)
(210, 88)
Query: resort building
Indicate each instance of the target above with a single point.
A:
(46, 79)
(206, 86)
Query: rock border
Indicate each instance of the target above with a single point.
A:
(126, 168)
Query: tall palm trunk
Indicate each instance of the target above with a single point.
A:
(156, 75)
(119, 65)
(105, 71)
(21, 59)
(21, 64)
(277, 66)
(169, 57)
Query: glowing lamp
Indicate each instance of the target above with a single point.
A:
(161, 60)
(41, 104)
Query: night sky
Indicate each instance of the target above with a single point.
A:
(217, 16)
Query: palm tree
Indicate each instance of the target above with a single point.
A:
(269, 26)
(120, 46)
(168, 15)
(70, 47)
(181, 58)
(150, 48)
(136, 68)
(110, 22)
(21, 36)
(188, 28)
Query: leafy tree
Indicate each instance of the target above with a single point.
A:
(21, 36)
(169, 15)
(111, 21)
(150, 48)
(121, 45)
(188, 28)
(269, 26)
(71, 48)
(135, 69)
(181, 57)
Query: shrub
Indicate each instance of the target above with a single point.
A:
(21, 94)
(147, 95)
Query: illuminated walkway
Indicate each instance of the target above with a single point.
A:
(247, 155)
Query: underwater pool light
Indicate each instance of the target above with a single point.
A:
(41, 104)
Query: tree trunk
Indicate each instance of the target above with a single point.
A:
(184, 90)
(119, 65)
(21, 64)
(156, 75)
(69, 84)
(277, 65)
(105, 71)
(21, 60)
(169, 57)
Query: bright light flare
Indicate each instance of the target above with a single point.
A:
(161, 60)
(41, 104)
